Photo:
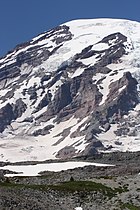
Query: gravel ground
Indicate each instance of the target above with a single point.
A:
(115, 187)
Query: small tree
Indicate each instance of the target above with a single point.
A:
(71, 179)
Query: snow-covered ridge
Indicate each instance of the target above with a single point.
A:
(100, 28)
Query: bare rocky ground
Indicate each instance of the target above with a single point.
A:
(91, 187)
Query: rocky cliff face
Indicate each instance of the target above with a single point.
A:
(72, 91)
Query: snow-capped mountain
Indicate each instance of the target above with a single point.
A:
(73, 90)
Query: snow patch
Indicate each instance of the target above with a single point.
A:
(100, 46)
(78, 208)
(89, 61)
(78, 72)
(34, 170)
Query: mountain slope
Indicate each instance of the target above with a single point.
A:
(73, 90)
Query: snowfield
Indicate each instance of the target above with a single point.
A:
(42, 147)
(34, 170)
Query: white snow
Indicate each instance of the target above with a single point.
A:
(121, 89)
(123, 143)
(78, 72)
(37, 37)
(4, 91)
(89, 61)
(34, 170)
(22, 147)
(78, 208)
(108, 137)
(8, 63)
(86, 32)
(25, 69)
(33, 81)
(100, 46)
(99, 28)
(137, 108)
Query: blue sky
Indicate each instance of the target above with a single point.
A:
(22, 20)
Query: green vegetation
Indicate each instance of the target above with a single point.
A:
(106, 177)
(129, 206)
(84, 186)
(71, 186)
(88, 186)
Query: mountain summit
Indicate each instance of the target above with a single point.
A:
(72, 91)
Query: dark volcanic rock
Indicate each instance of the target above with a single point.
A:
(9, 72)
(43, 131)
(19, 108)
(117, 38)
(117, 105)
(6, 116)
(44, 101)
(11, 112)
(128, 97)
